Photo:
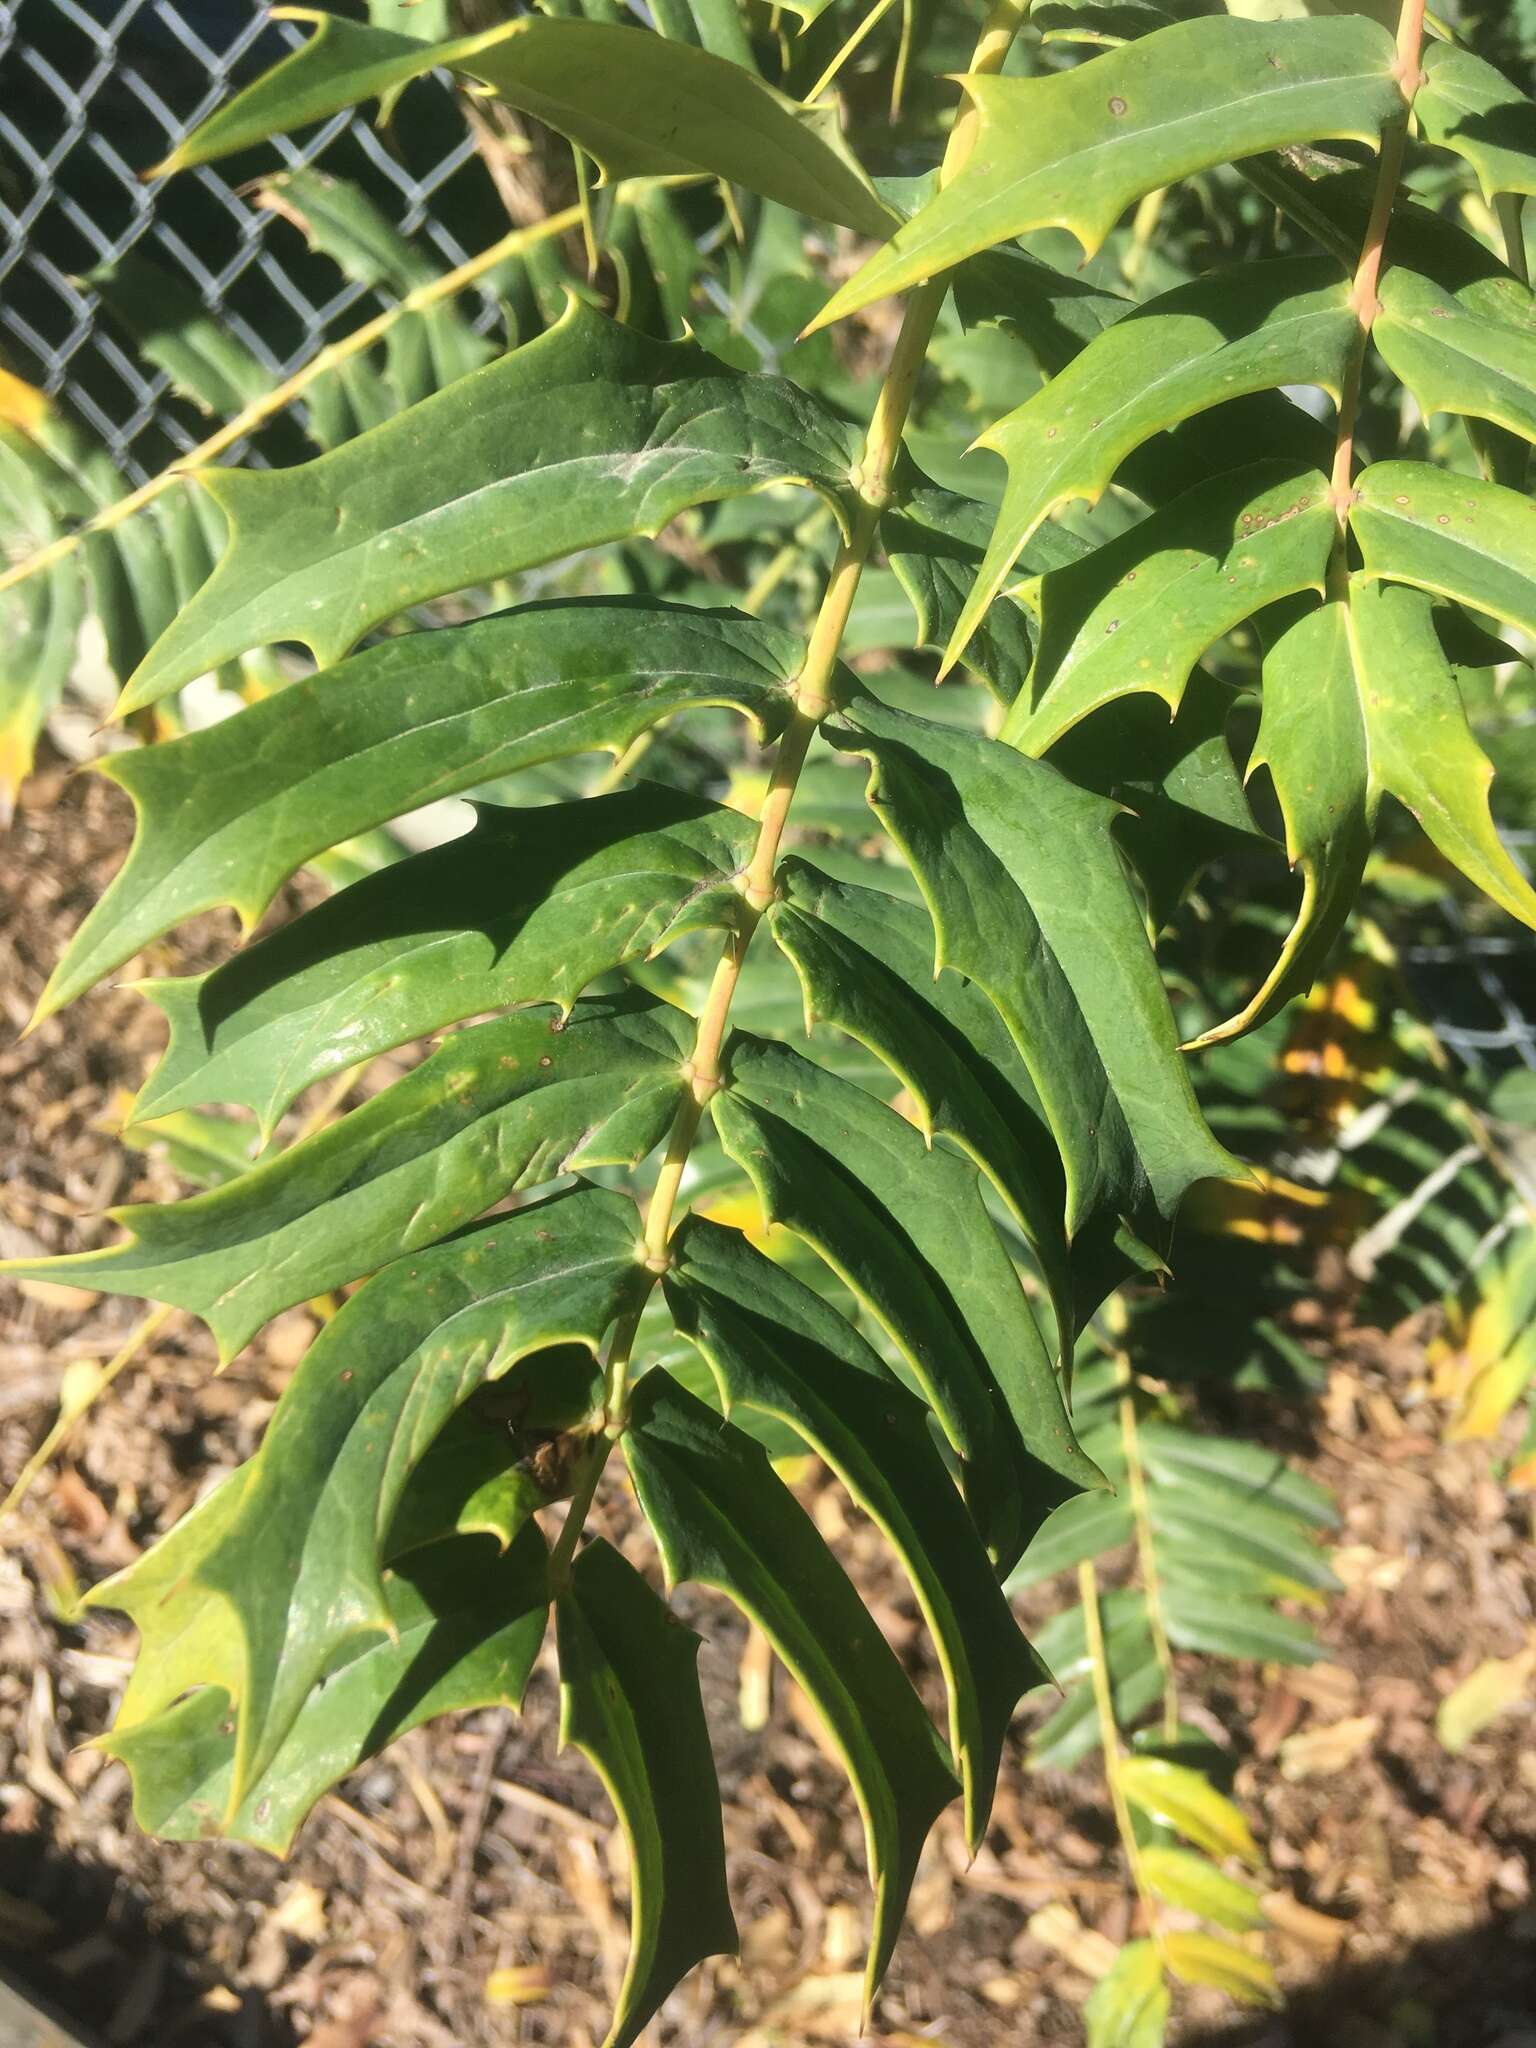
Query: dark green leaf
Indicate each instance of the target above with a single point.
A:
(776, 1347)
(501, 1106)
(588, 434)
(1029, 901)
(530, 906)
(226, 815)
(723, 1518)
(629, 1701)
(904, 1226)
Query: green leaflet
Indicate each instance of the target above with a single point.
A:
(1074, 149)
(470, 1481)
(1472, 351)
(465, 1628)
(1252, 328)
(641, 105)
(1128, 2008)
(1207, 1959)
(1184, 797)
(1216, 1620)
(1072, 1732)
(865, 964)
(227, 814)
(1029, 901)
(588, 434)
(1137, 614)
(204, 359)
(722, 1517)
(1180, 1878)
(1360, 702)
(1312, 742)
(1052, 312)
(776, 1347)
(504, 1105)
(422, 351)
(629, 1701)
(1467, 105)
(1086, 1526)
(1455, 535)
(530, 906)
(904, 1225)
(1420, 747)
(276, 1572)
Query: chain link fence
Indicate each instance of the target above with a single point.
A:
(92, 92)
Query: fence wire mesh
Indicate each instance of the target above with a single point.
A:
(92, 92)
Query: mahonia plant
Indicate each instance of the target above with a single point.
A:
(1020, 1098)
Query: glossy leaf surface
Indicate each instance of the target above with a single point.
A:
(504, 1105)
(1252, 328)
(723, 1518)
(1075, 148)
(226, 815)
(641, 105)
(529, 906)
(629, 1701)
(587, 434)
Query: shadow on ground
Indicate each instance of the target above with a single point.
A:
(1475, 1989)
(78, 1938)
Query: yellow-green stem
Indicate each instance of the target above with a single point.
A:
(1109, 1738)
(872, 481)
(1394, 142)
(1146, 1550)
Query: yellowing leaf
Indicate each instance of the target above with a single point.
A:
(1206, 1959)
(1181, 1799)
(1496, 1687)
